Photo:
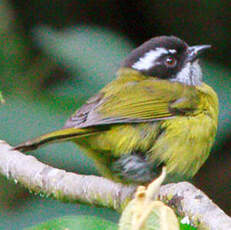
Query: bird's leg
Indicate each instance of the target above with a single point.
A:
(135, 168)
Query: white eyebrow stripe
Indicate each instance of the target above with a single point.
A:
(147, 61)
(172, 51)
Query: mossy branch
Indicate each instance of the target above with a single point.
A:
(93, 190)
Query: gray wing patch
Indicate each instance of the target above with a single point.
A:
(81, 117)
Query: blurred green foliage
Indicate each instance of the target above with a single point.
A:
(56, 54)
(1, 98)
(73, 223)
(187, 227)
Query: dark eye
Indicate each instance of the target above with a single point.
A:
(170, 61)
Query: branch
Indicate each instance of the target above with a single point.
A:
(65, 186)
(61, 185)
(194, 204)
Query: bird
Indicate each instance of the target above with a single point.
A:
(156, 112)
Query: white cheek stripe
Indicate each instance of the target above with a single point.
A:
(147, 61)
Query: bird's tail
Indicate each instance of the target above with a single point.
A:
(55, 136)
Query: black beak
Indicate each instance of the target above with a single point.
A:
(195, 51)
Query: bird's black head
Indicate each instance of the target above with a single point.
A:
(167, 57)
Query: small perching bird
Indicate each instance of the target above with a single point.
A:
(156, 112)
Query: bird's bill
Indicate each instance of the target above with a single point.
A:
(195, 51)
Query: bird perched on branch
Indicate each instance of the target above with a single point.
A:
(156, 112)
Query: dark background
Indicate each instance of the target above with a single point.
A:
(56, 54)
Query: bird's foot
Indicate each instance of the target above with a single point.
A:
(134, 168)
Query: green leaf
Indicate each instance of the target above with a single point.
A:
(76, 223)
(187, 227)
(185, 224)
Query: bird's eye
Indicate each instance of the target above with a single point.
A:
(170, 61)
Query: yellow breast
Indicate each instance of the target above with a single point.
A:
(182, 143)
(186, 141)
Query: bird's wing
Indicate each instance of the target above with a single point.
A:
(135, 102)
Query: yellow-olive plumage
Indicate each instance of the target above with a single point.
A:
(158, 120)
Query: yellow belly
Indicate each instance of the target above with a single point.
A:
(182, 143)
(185, 144)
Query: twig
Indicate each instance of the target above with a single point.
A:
(94, 190)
